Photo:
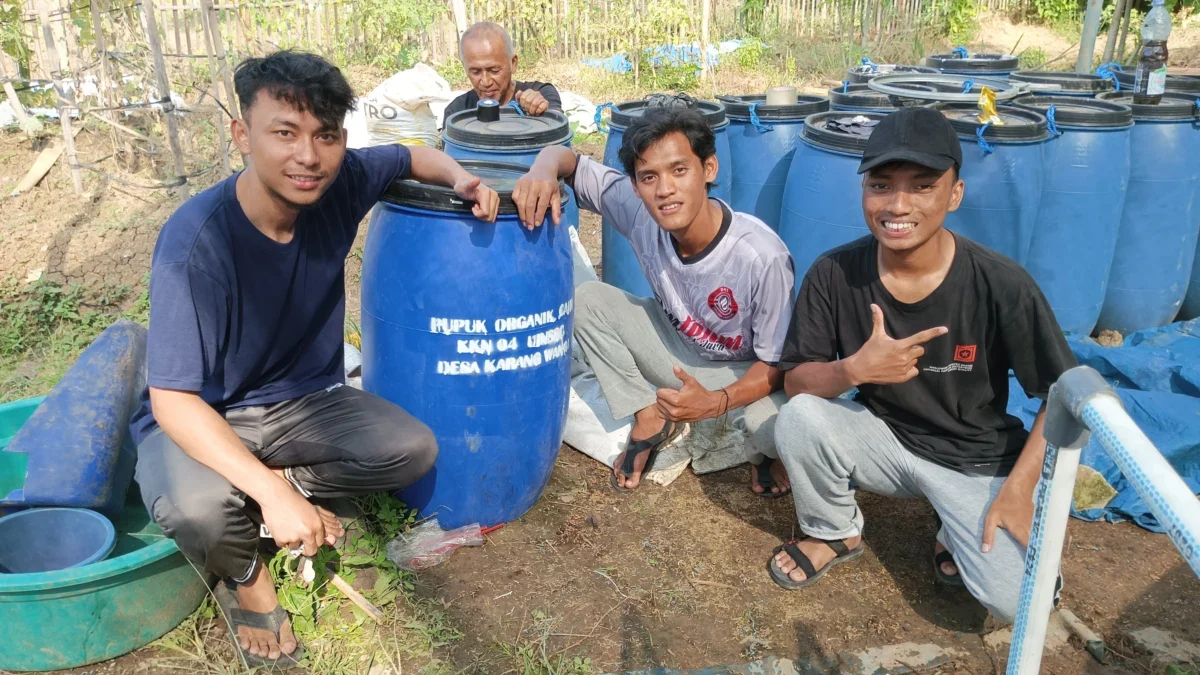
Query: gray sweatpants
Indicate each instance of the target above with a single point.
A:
(827, 443)
(630, 341)
(338, 442)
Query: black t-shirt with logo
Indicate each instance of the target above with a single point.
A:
(954, 411)
(470, 99)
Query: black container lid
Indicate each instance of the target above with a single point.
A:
(1077, 82)
(1019, 124)
(818, 132)
(1181, 84)
(1074, 111)
(499, 176)
(738, 107)
(513, 131)
(1173, 107)
(982, 63)
(623, 114)
(859, 74)
(862, 96)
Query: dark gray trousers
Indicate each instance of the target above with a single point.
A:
(338, 442)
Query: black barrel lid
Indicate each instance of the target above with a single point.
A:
(1173, 107)
(1077, 82)
(623, 114)
(738, 107)
(1075, 111)
(513, 131)
(982, 63)
(499, 176)
(1182, 84)
(834, 130)
(862, 96)
(1019, 124)
(859, 74)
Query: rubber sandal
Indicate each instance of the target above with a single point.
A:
(812, 575)
(766, 482)
(634, 448)
(949, 579)
(272, 621)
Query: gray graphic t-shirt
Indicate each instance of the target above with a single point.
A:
(732, 301)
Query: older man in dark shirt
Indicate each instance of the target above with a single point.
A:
(487, 54)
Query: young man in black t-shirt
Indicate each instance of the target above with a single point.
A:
(927, 325)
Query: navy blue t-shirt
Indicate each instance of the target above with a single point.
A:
(243, 319)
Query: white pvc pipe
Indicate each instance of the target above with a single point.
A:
(1043, 558)
(1156, 482)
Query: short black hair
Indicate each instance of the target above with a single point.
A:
(657, 123)
(306, 81)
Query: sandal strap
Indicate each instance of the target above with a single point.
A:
(838, 545)
(634, 448)
(272, 621)
(764, 480)
(800, 559)
(943, 557)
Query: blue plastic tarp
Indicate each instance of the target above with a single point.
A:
(666, 55)
(1157, 375)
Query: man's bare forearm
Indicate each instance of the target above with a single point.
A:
(827, 380)
(207, 438)
(555, 160)
(760, 381)
(435, 167)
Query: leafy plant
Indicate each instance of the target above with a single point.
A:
(1057, 12)
(751, 54)
(1033, 57)
(397, 19)
(962, 20)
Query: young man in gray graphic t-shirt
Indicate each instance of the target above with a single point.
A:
(712, 335)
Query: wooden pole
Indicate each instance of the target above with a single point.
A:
(163, 84)
(1124, 30)
(215, 77)
(705, 19)
(1114, 25)
(214, 27)
(101, 51)
(65, 102)
(1087, 40)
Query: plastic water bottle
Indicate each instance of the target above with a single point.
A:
(1151, 78)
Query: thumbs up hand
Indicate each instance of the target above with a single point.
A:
(691, 402)
(886, 360)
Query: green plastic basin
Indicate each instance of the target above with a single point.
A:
(83, 615)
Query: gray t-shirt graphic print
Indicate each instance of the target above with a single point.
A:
(732, 301)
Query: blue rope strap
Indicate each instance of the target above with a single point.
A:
(968, 85)
(845, 86)
(600, 125)
(1050, 124)
(758, 125)
(516, 106)
(986, 147)
(960, 53)
(1106, 71)
(866, 61)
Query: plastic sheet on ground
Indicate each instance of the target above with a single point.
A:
(667, 55)
(1157, 375)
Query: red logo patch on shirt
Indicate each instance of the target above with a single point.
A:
(722, 303)
(964, 353)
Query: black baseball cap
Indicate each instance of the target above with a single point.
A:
(918, 135)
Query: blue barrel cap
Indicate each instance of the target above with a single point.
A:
(512, 131)
(859, 74)
(862, 96)
(982, 63)
(738, 107)
(1174, 107)
(623, 114)
(1180, 84)
(841, 131)
(499, 176)
(1079, 83)
(1019, 124)
(1073, 111)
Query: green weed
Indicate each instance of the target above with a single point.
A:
(1033, 57)
(531, 653)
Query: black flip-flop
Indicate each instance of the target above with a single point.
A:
(949, 579)
(271, 621)
(811, 575)
(766, 482)
(634, 448)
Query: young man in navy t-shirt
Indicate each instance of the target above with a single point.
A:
(245, 404)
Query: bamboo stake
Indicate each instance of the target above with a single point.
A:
(164, 89)
(214, 28)
(101, 51)
(64, 102)
(1124, 30)
(214, 74)
(705, 18)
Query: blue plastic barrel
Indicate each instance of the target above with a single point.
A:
(619, 264)
(982, 65)
(868, 72)
(1157, 241)
(822, 201)
(467, 326)
(1003, 171)
(762, 140)
(513, 139)
(1176, 83)
(47, 540)
(1069, 84)
(1075, 234)
(861, 98)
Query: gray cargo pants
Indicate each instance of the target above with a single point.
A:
(629, 341)
(827, 443)
(336, 442)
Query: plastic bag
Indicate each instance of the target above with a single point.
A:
(399, 109)
(428, 544)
